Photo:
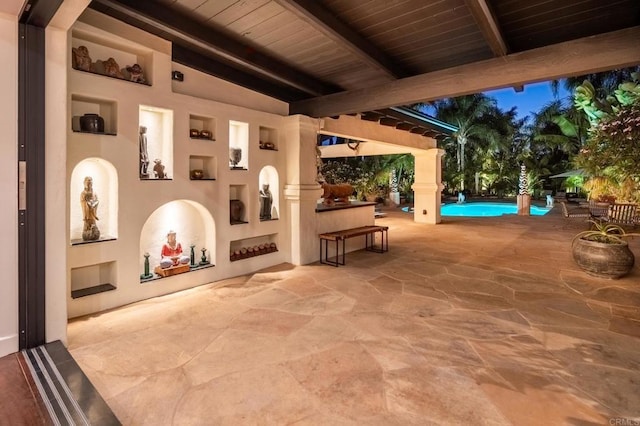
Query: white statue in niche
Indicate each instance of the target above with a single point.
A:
(89, 203)
(172, 252)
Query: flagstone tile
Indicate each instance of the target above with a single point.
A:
(234, 351)
(386, 284)
(329, 303)
(617, 296)
(618, 391)
(422, 288)
(270, 321)
(302, 286)
(265, 395)
(271, 297)
(430, 393)
(139, 403)
(443, 350)
(536, 400)
(345, 378)
(628, 326)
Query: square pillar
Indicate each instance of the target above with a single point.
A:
(427, 187)
(301, 191)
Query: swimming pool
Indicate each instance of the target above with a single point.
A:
(486, 209)
(483, 209)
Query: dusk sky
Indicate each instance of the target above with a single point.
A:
(531, 99)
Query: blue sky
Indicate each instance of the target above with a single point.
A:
(531, 99)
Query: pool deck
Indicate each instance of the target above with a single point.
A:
(474, 321)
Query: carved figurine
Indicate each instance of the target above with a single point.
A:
(89, 203)
(203, 259)
(336, 192)
(171, 254)
(144, 154)
(266, 200)
(158, 169)
(135, 72)
(112, 69)
(80, 58)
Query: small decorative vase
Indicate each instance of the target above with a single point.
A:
(203, 259)
(147, 274)
(194, 133)
(236, 211)
(92, 123)
(206, 134)
(197, 174)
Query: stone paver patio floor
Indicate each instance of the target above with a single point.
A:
(475, 321)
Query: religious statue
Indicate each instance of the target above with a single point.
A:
(266, 200)
(144, 154)
(158, 169)
(80, 58)
(89, 204)
(171, 254)
(135, 73)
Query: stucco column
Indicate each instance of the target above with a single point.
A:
(301, 191)
(427, 187)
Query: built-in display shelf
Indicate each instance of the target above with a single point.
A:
(96, 133)
(202, 167)
(93, 279)
(202, 127)
(79, 242)
(252, 247)
(113, 77)
(75, 294)
(106, 110)
(156, 277)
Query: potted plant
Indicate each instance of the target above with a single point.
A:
(602, 251)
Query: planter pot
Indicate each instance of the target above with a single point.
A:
(603, 260)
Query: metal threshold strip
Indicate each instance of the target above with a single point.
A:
(61, 402)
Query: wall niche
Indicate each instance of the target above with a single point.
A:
(104, 182)
(193, 226)
(155, 139)
(269, 193)
(238, 145)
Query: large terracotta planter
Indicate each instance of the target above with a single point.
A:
(603, 260)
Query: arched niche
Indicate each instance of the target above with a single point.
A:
(269, 175)
(105, 187)
(192, 223)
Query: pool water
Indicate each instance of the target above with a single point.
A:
(485, 209)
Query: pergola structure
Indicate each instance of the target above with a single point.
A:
(332, 57)
(340, 67)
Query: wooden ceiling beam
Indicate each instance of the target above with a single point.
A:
(617, 49)
(488, 25)
(168, 23)
(326, 22)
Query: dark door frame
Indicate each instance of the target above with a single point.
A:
(34, 18)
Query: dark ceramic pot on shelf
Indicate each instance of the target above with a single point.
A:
(92, 123)
(197, 174)
(236, 211)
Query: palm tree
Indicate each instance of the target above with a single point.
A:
(466, 113)
(605, 82)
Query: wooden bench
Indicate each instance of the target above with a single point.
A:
(341, 236)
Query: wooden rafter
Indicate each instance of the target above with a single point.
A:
(168, 23)
(327, 23)
(617, 49)
(488, 25)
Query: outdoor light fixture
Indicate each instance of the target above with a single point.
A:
(177, 75)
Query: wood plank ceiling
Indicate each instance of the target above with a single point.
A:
(302, 50)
